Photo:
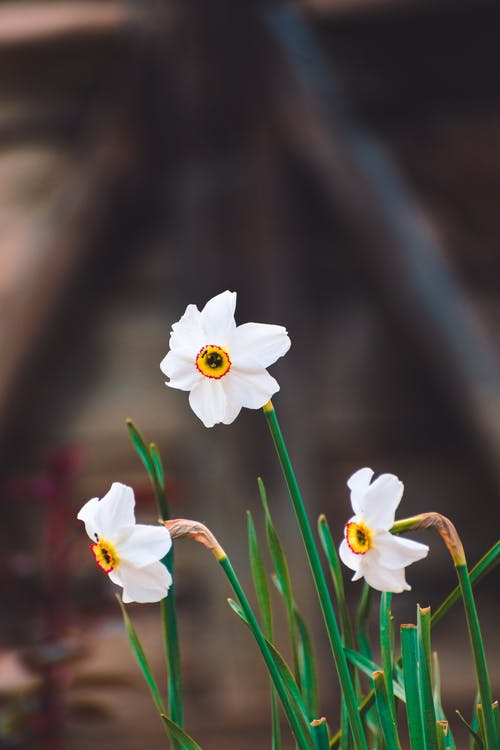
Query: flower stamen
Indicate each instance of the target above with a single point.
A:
(358, 537)
(105, 555)
(213, 361)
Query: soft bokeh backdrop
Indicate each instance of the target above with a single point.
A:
(336, 164)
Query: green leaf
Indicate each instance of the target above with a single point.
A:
(387, 647)
(362, 620)
(307, 666)
(320, 734)
(141, 447)
(436, 695)
(264, 602)
(141, 658)
(485, 565)
(385, 711)
(424, 677)
(282, 572)
(442, 731)
(368, 667)
(157, 464)
(286, 675)
(477, 742)
(259, 578)
(409, 648)
(331, 554)
(178, 735)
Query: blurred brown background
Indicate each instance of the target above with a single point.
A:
(337, 163)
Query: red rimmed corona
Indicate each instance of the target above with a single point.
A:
(105, 555)
(213, 361)
(358, 537)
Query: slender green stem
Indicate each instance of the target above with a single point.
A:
(490, 726)
(304, 741)
(319, 580)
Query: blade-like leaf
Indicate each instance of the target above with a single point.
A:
(409, 648)
(157, 464)
(282, 572)
(476, 741)
(368, 667)
(286, 675)
(436, 694)
(387, 647)
(331, 554)
(264, 602)
(141, 658)
(424, 676)
(385, 711)
(178, 735)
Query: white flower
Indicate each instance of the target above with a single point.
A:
(129, 553)
(221, 364)
(368, 547)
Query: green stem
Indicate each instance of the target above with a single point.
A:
(319, 580)
(303, 741)
(490, 727)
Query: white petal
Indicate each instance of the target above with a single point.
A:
(348, 557)
(180, 367)
(87, 515)
(262, 342)
(231, 412)
(147, 584)
(249, 389)
(188, 333)
(378, 504)
(217, 318)
(358, 483)
(397, 552)
(110, 514)
(142, 545)
(208, 401)
(384, 579)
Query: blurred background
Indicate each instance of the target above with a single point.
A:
(336, 162)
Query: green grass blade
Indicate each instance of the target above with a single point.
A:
(387, 647)
(475, 737)
(307, 666)
(424, 677)
(283, 668)
(436, 697)
(491, 733)
(318, 575)
(409, 648)
(362, 620)
(368, 667)
(485, 565)
(157, 464)
(385, 711)
(442, 731)
(332, 557)
(320, 734)
(302, 733)
(283, 575)
(178, 735)
(264, 603)
(141, 658)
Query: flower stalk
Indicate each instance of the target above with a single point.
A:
(318, 577)
(182, 527)
(450, 537)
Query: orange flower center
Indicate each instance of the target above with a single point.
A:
(105, 555)
(213, 361)
(358, 537)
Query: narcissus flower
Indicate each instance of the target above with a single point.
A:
(368, 547)
(221, 364)
(128, 552)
